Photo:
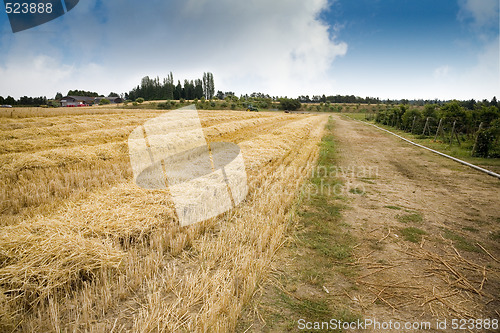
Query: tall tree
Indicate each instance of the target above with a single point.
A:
(198, 88)
(178, 93)
(169, 86)
(208, 85)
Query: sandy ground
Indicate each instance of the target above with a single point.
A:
(453, 271)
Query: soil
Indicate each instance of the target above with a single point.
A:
(440, 276)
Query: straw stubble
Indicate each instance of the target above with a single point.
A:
(119, 249)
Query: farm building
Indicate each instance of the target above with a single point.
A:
(83, 100)
(76, 100)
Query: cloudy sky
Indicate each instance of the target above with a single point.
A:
(426, 49)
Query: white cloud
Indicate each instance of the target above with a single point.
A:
(479, 81)
(442, 71)
(278, 47)
(483, 12)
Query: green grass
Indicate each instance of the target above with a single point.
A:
(310, 309)
(323, 232)
(410, 218)
(313, 311)
(393, 207)
(413, 234)
(460, 242)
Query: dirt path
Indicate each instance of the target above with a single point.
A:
(427, 228)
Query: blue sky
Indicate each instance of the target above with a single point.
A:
(382, 48)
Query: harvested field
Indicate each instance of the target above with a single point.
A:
(83, 248)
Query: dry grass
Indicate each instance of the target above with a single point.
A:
(54, 112)
(84, 249)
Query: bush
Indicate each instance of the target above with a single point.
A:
(485, 140)
(53, 104)
(289, 104)
(104, 101)
(164, 106)
(452, 112)
(408, 117)
(140, 100)
(488, 114)
(262, 105)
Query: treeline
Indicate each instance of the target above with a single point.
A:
(23, 101)
(81, 93)
(339, 99)
(478, 127)
(351, 99)
(165, 89)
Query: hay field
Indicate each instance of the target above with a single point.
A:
(82, 248)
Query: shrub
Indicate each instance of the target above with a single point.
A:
(485, 140)
(140, 100)
(104, 101)
(163, 106)
(289, 104)
(452, 112)
(408, 118)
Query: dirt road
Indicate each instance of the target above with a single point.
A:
(428, 230)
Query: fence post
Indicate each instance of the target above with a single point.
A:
(413, 125)
(475, 141)
(425, 127)
(439, 129)
(454, 134)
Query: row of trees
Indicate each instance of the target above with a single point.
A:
(351, 99)
(339, 99)
(480, 126)
(156, 89)
(23, 101)
(79, 93)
